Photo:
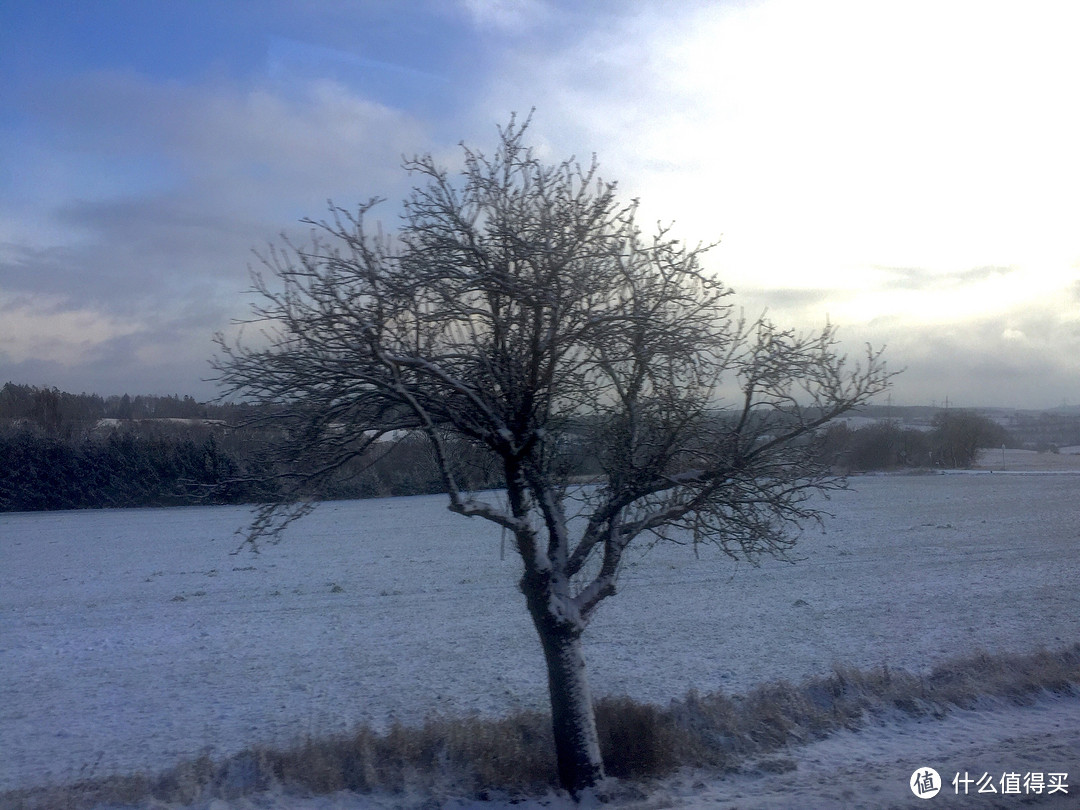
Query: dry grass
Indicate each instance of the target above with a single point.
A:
(513, 755)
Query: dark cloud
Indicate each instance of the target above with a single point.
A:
(119, 369)
(1026, 359)
(136, 257)
(787, 298)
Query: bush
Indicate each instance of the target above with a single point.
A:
(959, 435)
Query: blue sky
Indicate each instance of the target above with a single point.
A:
(907, 170)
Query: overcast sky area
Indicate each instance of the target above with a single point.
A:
(909, 171)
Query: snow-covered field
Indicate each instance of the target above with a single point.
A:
(130, 639)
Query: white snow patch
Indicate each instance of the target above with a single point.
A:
(871, 767)
(132, 638)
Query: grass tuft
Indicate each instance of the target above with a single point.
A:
(636, 739)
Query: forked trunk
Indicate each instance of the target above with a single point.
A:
(577, 747)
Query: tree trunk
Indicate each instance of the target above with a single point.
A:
(577, 747)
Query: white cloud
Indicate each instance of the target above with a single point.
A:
(941, 299)
(510, 16)
(822, 138)
(826, 141)
(47, 330)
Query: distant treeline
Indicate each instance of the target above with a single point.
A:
(45, 472)
(76, 451)
(952, 440)
(61, 413)
(72, 451)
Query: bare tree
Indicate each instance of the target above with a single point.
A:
(517, 306)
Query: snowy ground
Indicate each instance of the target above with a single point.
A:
(130, 639)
